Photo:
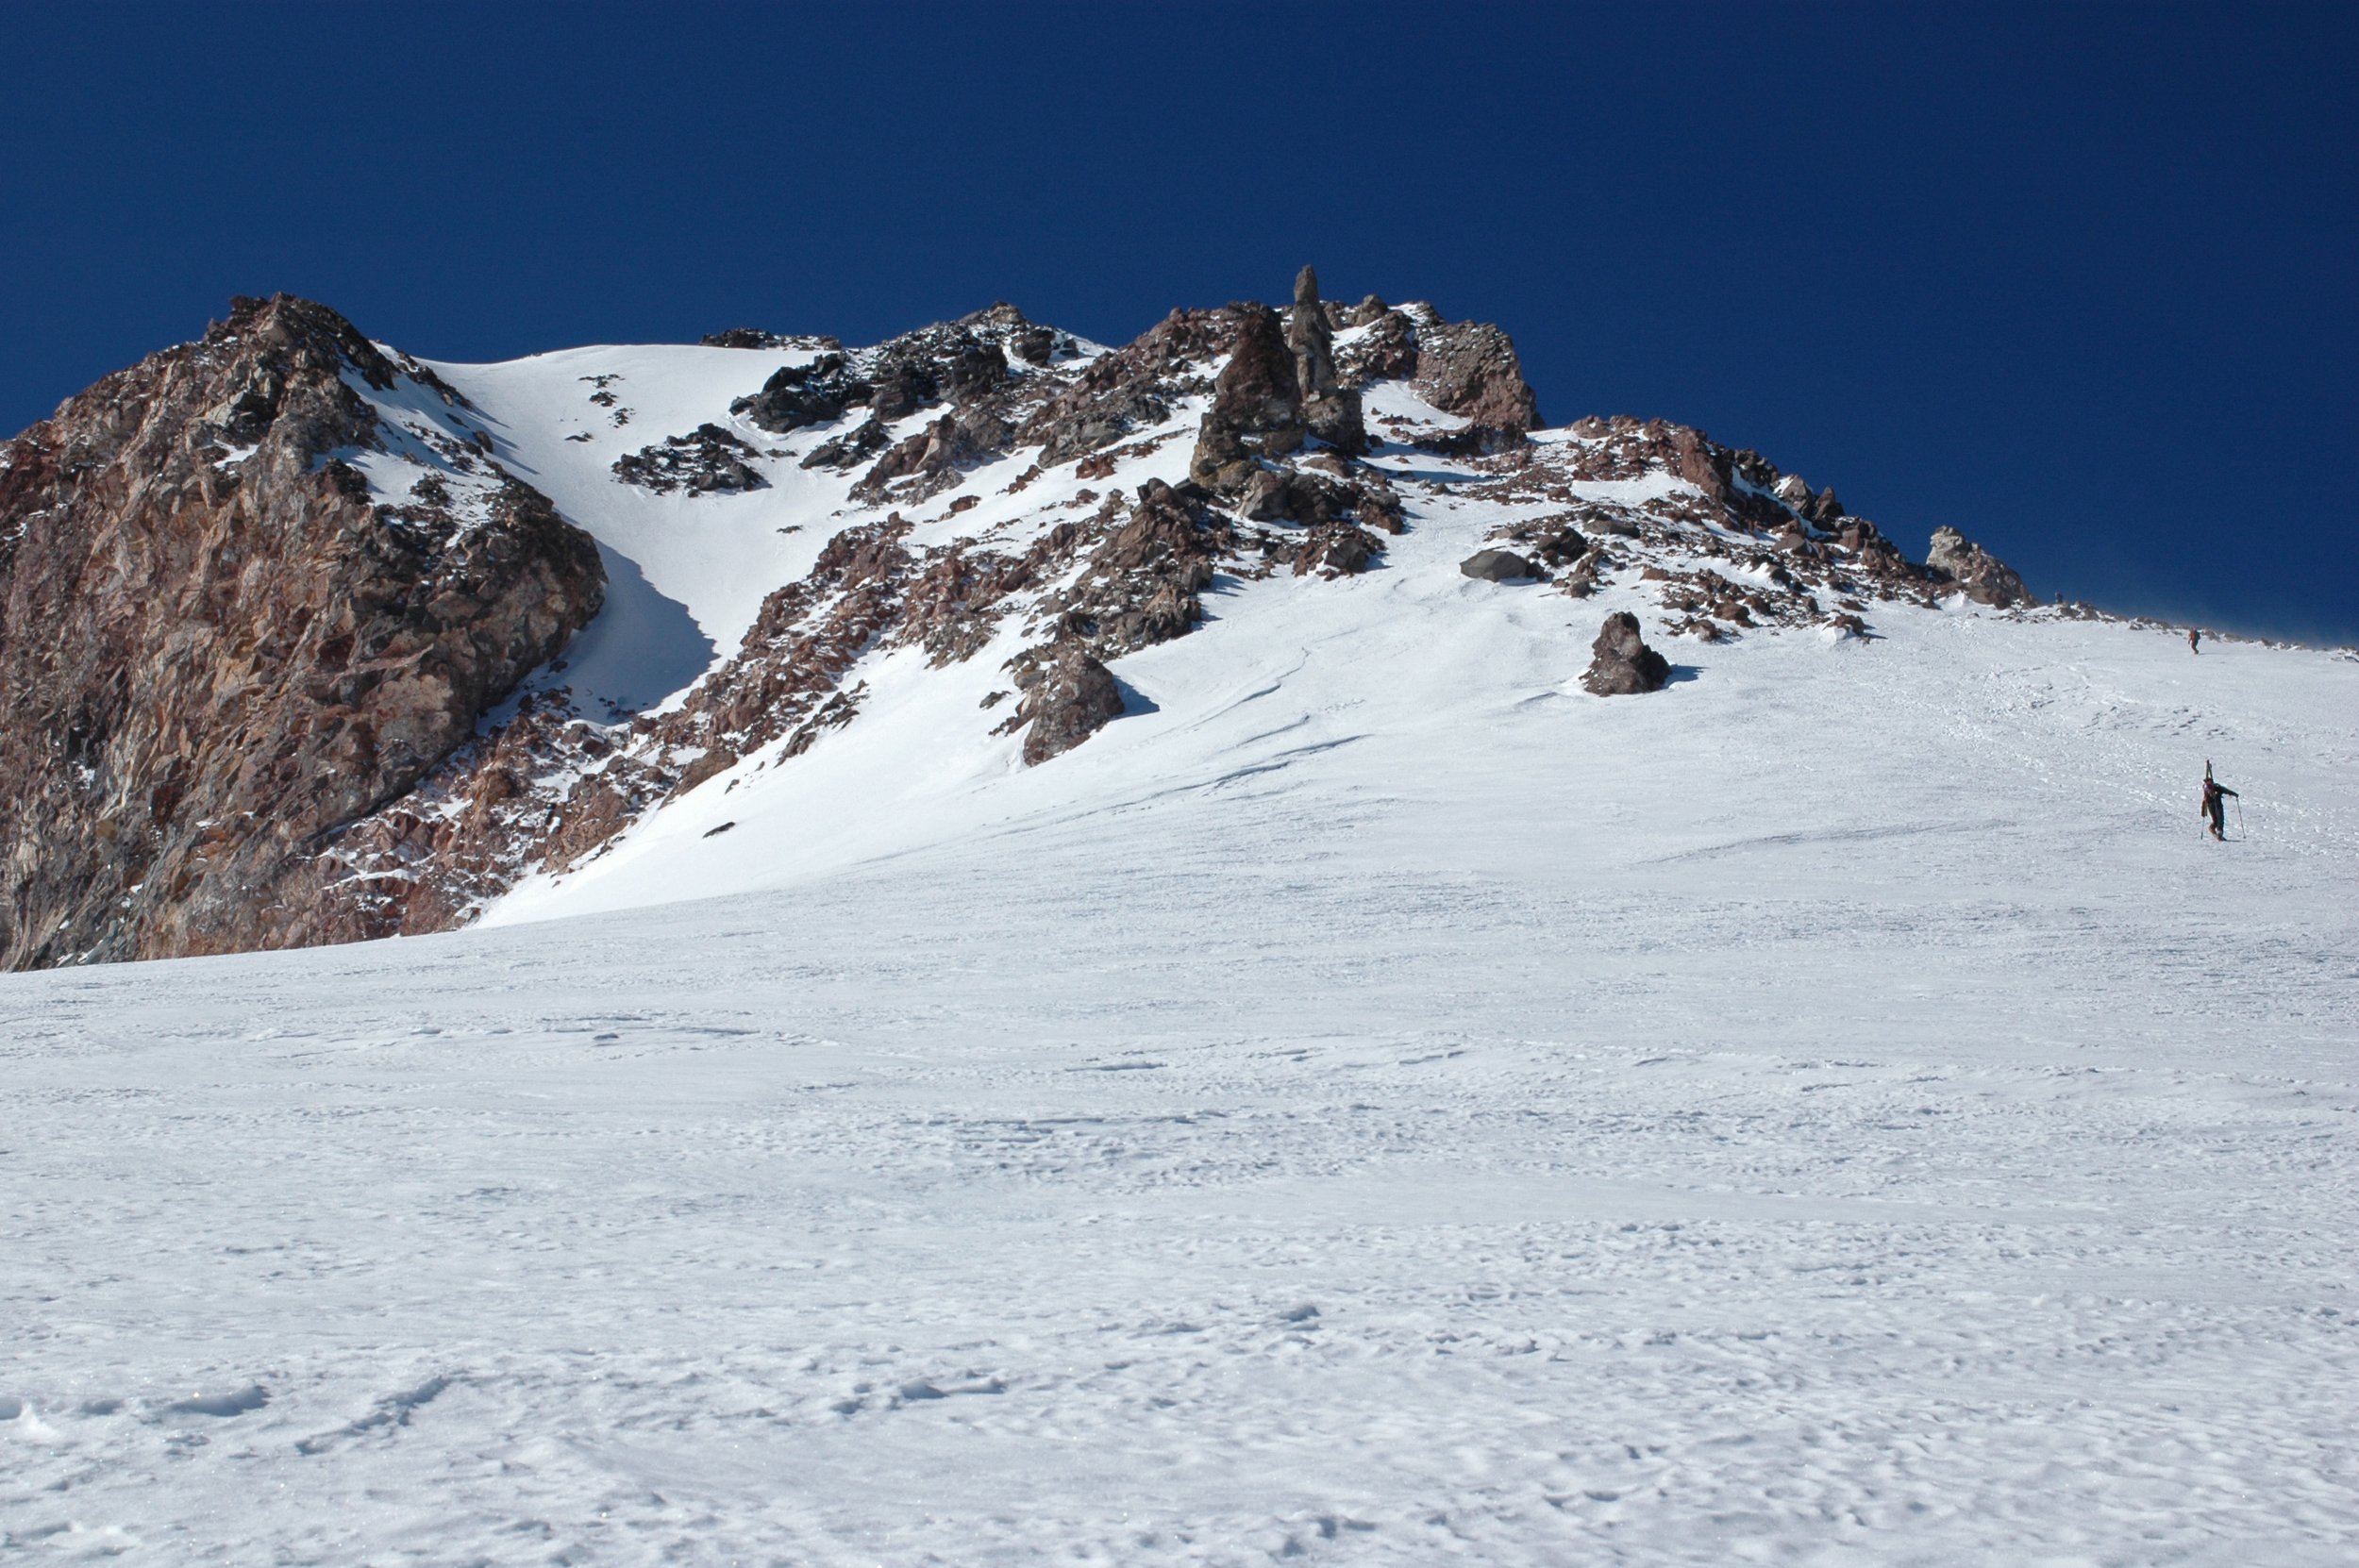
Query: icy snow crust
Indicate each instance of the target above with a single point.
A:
(1373, 1104)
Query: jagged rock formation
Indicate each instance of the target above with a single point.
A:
(1470, 368)
(1331, 411)
(1386, 351)
(217, 648)
(261, 589)
(1621, 665)
(1066, 700)
(1982, 576)
(1257, 407)
(960, 362)
(1134, 388)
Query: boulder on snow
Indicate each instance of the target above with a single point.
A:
(1582, 580)
(1984, 576)
(1068, 697)
(1496, 566)
(1622, 663)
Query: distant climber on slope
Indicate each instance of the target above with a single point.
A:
(2213, 792)
(2195, 640)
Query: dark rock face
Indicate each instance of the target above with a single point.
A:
(1470, 368)
(940, 364)
(1549, 541)
(1582, 580)
(939, 455)
(1560, 546)
(707, 459)
(1070, 696)
(957, 363)
(1257, 406)
(1622, 663)
(217, 651)
(1496, 566)
(1986, 579)
(856, 445)
(797, 396)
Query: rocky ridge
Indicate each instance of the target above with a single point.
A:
(1257, 443)
(220, 645)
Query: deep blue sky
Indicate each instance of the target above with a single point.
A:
(2077, 280)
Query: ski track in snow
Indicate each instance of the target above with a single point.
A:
(1374, 1105)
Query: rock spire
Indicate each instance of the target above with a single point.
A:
(1329, 409)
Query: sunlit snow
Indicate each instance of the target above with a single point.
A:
(1374, 1103)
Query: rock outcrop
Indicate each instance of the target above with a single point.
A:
(1257, 406)
(218, 647)
(1387, 351)
(1331, 411)
(754, 337)
(1128, 388)
(1470, 368)
(707, 459)
(959, 362)
(1980, 576)
(1068, 697)
(1621, 665)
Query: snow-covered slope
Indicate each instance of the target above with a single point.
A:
(1838, 1112)
(1380, 675)
(1372, 1103)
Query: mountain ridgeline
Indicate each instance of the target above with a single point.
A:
(297, 629)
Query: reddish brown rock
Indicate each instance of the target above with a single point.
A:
(1337, 550)
(1068, 697)
(1130, 388)
(1386, 352)
(1470, 369)
(1982, 576)
(217, 651)
(1256, 405)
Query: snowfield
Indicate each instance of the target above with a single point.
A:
(1374, 1103)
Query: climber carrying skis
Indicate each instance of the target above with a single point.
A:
(2195, 640)
(2213, 794)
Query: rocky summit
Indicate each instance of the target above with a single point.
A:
(307, 639)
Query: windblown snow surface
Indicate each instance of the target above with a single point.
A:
(1373, 1104)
